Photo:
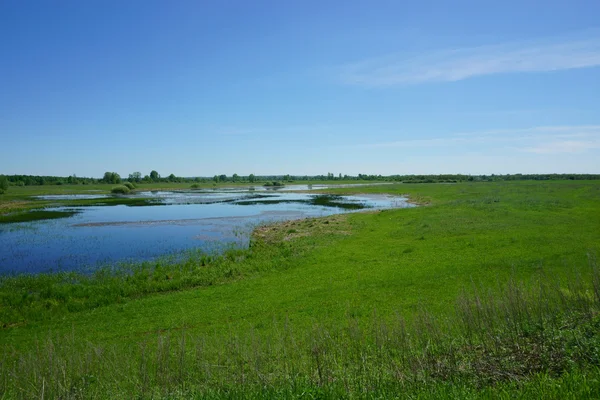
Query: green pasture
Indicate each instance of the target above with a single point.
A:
(311, 281)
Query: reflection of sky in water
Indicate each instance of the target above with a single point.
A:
(72, 196)
(101, 235)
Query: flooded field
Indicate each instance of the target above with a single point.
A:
(173, 222)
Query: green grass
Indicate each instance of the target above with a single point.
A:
(304, 287)
(526, 341)
(35, 216)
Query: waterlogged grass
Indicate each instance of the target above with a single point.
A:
(35, 216)
(29, 211)
(491, 290)
(113, 201)
(24, 198)
(324, 200)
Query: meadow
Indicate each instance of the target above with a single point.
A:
(487, 289)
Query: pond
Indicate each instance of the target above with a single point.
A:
(173, 222)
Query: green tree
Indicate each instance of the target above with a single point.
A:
(216, 178)
(251, 178)
(3, 184)
(172, 178)
(235, 178)
(154, 176)
(135, 177)
(111, 177)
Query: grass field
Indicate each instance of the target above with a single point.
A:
(487, 290)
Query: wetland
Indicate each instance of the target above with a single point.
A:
(151, 224)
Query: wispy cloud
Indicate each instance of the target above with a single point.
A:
(541, 140)
(463, 63)
(564, 146)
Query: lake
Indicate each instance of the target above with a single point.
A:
(176, 221)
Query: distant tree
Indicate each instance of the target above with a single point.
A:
(3, 184)
(154, 176)
(235, 178)
(251, 178)
(216, 178)
(147, 179)
(223, 178)
(172, 178)
(111, 177)
(135, 177)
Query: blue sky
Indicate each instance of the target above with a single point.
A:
(299, 87)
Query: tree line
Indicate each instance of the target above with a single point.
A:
(155, 177)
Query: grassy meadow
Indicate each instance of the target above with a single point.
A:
(485, 290)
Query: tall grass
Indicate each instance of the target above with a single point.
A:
(28, 297)
(541, 338)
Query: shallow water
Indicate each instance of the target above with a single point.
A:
(72, 196)
(206, 220)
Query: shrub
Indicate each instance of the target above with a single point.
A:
(120, 189)
(274, 183)
(129, 185)
(195, 186)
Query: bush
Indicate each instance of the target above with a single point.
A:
(130, 185)
(274, 183)
(120, 190)
(195, 186)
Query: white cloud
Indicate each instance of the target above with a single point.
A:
(463, 63)
(564, 146)
(541, 139)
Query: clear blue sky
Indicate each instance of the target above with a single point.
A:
(299, 87)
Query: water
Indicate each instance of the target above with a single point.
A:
(206, 220)
(72, 196)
